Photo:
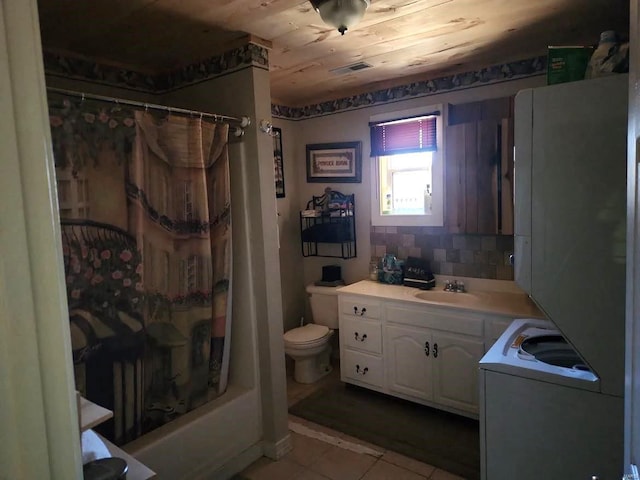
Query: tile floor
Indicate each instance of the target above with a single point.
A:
(320, 453)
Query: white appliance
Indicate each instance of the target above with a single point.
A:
(542, 420)
(570, 209)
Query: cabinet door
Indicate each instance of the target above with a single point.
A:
(479, 167)
(455, 370)
(408, 360)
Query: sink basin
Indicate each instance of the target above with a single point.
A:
(441, 296)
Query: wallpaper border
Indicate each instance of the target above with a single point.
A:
(252, 55)
(88, 70)
(493, 74)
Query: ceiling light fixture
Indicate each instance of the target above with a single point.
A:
(340, 14)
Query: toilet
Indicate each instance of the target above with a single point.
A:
(309, 345)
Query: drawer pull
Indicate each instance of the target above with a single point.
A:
(362, 311)
(426, 348)
(435, 350)
(361, 371)
(360, 338)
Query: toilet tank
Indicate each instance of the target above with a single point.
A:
(324, 305)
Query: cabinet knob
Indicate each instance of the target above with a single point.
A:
(362, 371)
(360, 338)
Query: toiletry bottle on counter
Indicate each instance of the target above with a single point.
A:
(386, 206)
(427, 199)
(373, 271)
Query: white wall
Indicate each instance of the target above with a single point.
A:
(343, 127)
(291, 269)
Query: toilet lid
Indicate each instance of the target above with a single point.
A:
(307, 333)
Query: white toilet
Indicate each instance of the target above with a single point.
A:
(309, 345)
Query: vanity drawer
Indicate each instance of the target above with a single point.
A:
(448, 320)
(360, 307)
(361, 334)
(362, 367)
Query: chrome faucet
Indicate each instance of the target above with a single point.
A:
(454, 286)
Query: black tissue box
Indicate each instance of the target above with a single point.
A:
(418, 274)
(331, 273)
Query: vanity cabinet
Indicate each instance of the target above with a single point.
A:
(435, 366)
(459, 354)
(409, 368)
(361, 341)
(423, 352)
(432, 354)
(494, 328)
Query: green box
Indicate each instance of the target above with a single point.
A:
(567, 64)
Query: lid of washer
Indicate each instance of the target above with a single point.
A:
(307, 333)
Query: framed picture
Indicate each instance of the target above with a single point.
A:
(334, 162)
(278, 162)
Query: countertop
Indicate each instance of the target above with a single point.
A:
(504, 301)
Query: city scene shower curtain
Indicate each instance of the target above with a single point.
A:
(146, 239)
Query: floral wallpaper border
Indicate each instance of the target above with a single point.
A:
(258, 56)
(494, 74)
(84, 69)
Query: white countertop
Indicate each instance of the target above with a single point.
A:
(506, 299)
(92, 414)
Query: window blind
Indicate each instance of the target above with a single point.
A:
(404, 135)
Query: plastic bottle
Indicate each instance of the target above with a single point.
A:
(373, 271)
(387, 203)
(599, 63)
(427, 199)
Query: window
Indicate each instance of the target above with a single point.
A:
(408, 180)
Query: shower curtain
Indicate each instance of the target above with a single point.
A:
(145, 212)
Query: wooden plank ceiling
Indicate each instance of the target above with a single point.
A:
(403, 40)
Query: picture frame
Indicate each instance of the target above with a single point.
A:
(278, 162)
(334, 162)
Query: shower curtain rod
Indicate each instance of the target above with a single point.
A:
(240, 122)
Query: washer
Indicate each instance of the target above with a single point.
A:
(542, 414)
(535, 348)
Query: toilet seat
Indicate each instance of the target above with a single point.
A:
(307, 336)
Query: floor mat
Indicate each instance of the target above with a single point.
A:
(441, 439)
